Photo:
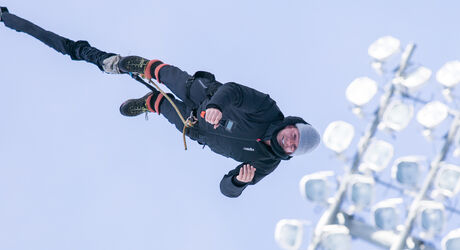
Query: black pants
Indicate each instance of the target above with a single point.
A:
(174, 78)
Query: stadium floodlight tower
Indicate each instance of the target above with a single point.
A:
(449, 76)
(386, 214)
(431, 115)
(420, 197)
(407, 170)
(452, 240)
(289, 233)
(360, 92)
(371, 155)
(316, 187)
(336, 237)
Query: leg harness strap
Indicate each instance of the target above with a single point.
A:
(156, 103)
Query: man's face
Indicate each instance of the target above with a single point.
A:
(288, 138)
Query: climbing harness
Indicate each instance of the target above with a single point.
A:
(188, 123)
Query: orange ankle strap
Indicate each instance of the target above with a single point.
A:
(147, 73)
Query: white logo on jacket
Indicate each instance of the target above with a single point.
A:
(248, 149)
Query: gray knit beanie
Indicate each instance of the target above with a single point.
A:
(309, 139)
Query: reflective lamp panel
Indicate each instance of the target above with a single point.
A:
(407, 170)
(397, 115)
(448, 180)
(315, 187)
(288, 234)
(335, 237)
(416, 79)
(361, 191)
(432, 114)
(384, 47)
(449, 74)
(361, 91)
(457, 144)
(452, 240)
(386, 215)
(431, 215)
(378, 155)
(338, 136)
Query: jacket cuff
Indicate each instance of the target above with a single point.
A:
(212, 105)
(238, 183)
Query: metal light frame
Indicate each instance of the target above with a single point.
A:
(394, 122)
(453, 237)
(321, 177)
(388, 204)
(332, 138)
(438, 182)
(333, 231)
(409, 159)
(280, 233)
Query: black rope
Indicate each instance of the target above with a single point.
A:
(139, 79)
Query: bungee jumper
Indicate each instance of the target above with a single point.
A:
(233, 120)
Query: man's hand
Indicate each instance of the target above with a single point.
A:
(246, 173)
(213, 116)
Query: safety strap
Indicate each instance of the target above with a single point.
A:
(147, 72)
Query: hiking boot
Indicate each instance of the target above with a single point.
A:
(135, 107)
(133, 64)
(3, 10)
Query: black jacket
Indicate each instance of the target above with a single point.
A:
(256, 118)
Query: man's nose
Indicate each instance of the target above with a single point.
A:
(289, 141)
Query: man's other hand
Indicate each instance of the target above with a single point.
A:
(246, 173)
(213, 116)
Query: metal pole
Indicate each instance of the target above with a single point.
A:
(400, 243)
(380, 238)
(331, 213)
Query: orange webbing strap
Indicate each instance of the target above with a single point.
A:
(157, 103)
(149, 107)
(157, 71)
(147, 73)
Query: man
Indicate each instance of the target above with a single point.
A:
(232, 120)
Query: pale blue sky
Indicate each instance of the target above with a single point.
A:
(75, 174)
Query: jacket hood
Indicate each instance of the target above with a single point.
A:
(273, 130)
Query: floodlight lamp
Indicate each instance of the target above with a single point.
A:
(338, 136)
(384, 47)
(361, 191)
(386, 216)
(432, 114)
(406, 170)
(416, 79)
(315, 187)
(361, 90)
(447, 181)
(449, 74)
(378, 155)
(335, 237)
(452, 240)
(457, 144)
(432, 218)
(397, 115)
(288, 234)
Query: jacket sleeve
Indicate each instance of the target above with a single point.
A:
(242, 97)
(232, 188)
